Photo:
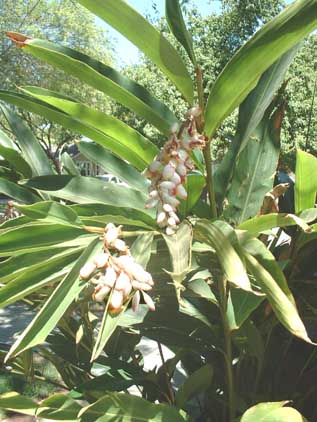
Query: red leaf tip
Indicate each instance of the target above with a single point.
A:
(19, 39)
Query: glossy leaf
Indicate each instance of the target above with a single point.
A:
(10, 152)
(272, 412)
(194, 186)
(83, 190)
(251, 113)
(18, 403)
(245, 68)
(113, 165)
(32, 151)
(177, 25)
(254, 172)
(261, 223)
(283, 308)
(198, 382)
(128, 408)
(123, 140)
(55, 115)
(51, 212)
(232, 266)
(56, 305)
(19, 193)
(306, 181)
(122, 17)
(241, 305)
(104, 78)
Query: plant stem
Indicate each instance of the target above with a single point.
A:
(170, 393)
(222, 286)
(209, 180)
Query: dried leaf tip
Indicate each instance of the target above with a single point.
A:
(19, 39)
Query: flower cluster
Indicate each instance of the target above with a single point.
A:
(168, 172)
(115, 273)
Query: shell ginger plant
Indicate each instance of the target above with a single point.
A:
(220, 295)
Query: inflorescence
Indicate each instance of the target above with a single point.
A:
(168, 172)
(116, 274)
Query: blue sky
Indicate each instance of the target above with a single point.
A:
(126, 52)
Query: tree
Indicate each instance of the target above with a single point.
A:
(62, 21)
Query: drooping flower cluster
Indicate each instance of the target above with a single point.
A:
(116, 274)
(168, 172)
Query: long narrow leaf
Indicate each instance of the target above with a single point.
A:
(121, 16)
(19, 193)
(241, 74)
(102, 77)
(306, 181)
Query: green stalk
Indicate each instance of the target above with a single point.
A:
(207, 154)
(222, 287)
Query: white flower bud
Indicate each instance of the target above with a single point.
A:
(175, 216)
(174, 127)
(167, 185)
(137, 285)
(120, 245)
(181, 169)
(168, 208)
(170, 231)
(101, 260)
(116, 300)
(155, 166)
(112, 234)
(171, 221)
(161, 217)
(100, 293)
(87, 270)
(183, 155)
(176, 178)
(153, 194)
(127, 290)
(149, 301)
(122, 281)
(181, 192)
(136, 301)
(110, 277)
(168, 172)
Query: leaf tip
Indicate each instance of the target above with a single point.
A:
(19, 39)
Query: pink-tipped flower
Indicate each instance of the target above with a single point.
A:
(181, 192)
(168, 208)
(155, 166)
(116, 300)
(168, 172)
(176, 179)
(149, 301)
(122, 281)
(87, 270)
(181, 169)
(101, 260)
(100, 293)
(110, 277)
(171, 222)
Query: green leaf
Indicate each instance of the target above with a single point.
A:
(32, 151)
(35, 235)
(10, 152)
(12, 190)
(141, 249)
(232, 266)
(51, 212)
(179, 246)
(122, 17)
(124, 141)
(283, 308)
(194, 186)
(245, 68)
(198, 382)
(128, 408)
(261, 223)
(69, 165)
(15, 402)
(306, 181)
(254, 172)
(241, 306)
(105, 79)
(113, 165)
(83, 190)
(100, 215)
(177, 25)
(272, 412)
(37, 276)
(84, 128)
(59, 407)
(251, 112)
(56, 305)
